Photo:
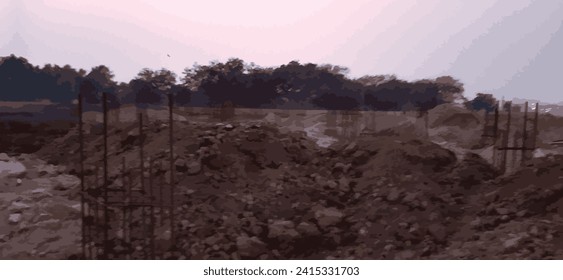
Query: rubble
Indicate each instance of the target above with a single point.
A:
(249, 191)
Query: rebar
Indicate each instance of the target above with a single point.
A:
(106, 210)
(82, 188)
(172, 183)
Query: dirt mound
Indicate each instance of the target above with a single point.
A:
(519, 217)
(247, 190)
(453, 115)
(474, 170)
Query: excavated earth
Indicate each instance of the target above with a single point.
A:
(249, 191)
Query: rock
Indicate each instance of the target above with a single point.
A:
(360, 157)
(66, 182)
(4, 157)
(50, 224)
(40, 193)
(341, 167)
(393, 195)
(475, 223)
(18, 206)
(194, 167)
(502, 211)
(405, 255)
(207, 141)
(534, 230)
(512, 242)
(250, 247)
(14, 218)
(18, 182)
(282, 230)
(181, 165)
(344, 184)
(308, 229)
(47, 169)
(328, 217)
(522, 213)
(62, 212)
(352, 147)
(331, 184)
(185, 224)
(215, 161)
(438, 232)
(12, 169)
(321, 181)
(229, 127)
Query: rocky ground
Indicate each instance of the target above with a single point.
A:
(246, 190)
(39, 209)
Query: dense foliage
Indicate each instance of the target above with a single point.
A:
(293, 85)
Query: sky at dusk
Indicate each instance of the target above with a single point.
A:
(510, 48)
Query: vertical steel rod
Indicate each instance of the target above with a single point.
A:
(106, 210)
(536, 126)
(125, 203)
(82, 189)
(506, 139)
(152, 201)
(514, 153)
(141, 152)
(495, 135)
(161, 196)
(172, 183)
(524, 135)
(142, 177)
(426, 126)
(97, 212)
(130, 209)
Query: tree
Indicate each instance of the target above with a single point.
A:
(451, 90)
(233, 81)
(150, 86)
(482, 101)
(325, 86)
(96, 82)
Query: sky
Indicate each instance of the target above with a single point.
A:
(510, 48)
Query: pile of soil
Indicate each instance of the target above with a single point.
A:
(248, 191)
(518, 216)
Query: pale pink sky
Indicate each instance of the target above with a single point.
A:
(497, 46)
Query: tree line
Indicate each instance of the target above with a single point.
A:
(292, 85)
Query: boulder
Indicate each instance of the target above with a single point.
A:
(15, 218)
(438, 232)
(308, 229)
(250, 247)
(344, 184)
(4, 157)
(393, 195)
(180, 165)
(17, 206)
(328, 217)
(282, 230)
(12, 169)
(65, 182)
(352, 147)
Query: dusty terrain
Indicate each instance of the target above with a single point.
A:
(252, 189)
